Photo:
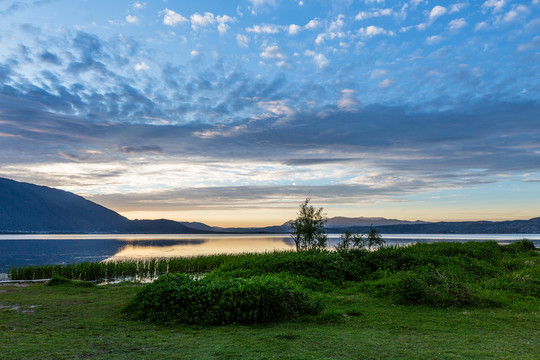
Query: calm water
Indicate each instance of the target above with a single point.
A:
(23, 250)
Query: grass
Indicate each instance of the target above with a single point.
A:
(427, 301)
(70, 322)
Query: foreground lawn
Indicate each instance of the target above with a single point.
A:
(71, 322)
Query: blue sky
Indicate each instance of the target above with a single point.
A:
(232, 112)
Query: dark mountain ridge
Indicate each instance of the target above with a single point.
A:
(30, 208)
(27, 207)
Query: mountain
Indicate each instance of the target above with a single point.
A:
(531, 226)
(28, 207)
(31, 208)
(340, 222)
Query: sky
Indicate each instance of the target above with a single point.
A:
(233, 112)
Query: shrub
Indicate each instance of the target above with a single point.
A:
(59, 280)
(425, 286)
(522, 245)
(178, 298)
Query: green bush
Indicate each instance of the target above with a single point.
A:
(59, 280)
(425, 286)
(522, 245)
(320, 265)
(178, 298)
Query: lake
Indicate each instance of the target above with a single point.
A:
(38, 249)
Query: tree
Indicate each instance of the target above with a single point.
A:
(374, 238)
(349, 241)
(307, 230)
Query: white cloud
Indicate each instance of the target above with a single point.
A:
(385, 83)
(312, 24)
(294, 29)
(194, 53)
(348, 100)
(481, 26)
(283, 64)
(264, 29)
(300, 3)
(371, 31)
(201, 21)
(362, 15)
(457, 24)
(374, 1)
(378, 73)
(435, 39)
(258, 4)
(494, 5)
(337, 24)
(242, 40)
(533, 44)
(515, 13)
(222, 23)
(436, 12)
(141, 66)
(272, 52)
(320, 60)
(457, 8)
(132, 19)
(172, 18)
(139, 5)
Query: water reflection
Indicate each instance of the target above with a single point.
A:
(213, 245)
(24, 250)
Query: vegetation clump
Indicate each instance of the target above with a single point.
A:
(179, 298)
(59, 280)
(307, 231)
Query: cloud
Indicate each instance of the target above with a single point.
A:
(385, 83)
(515, 14)
(294, 29)
(363, 15)
(242, 40)
(132, 19)
(312, 24)
(172, 18)
(348, 100)
(222, 23)
(141, 149)
(378, 73)
(257, 5)
(457, 24)
(264, 29)
(371, 31)
(272, 52)
(531, 45)
(494, 5)
(455, 8)
(201, 21)
(141, 66)
(435, 39)
(320, 60)
(50, 58)
(139, 5)
(437, 12)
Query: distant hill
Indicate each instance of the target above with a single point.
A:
(31, 208)
(28, 207)
(531, 226)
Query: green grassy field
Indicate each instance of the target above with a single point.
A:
(399, 305)
(70, 322)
